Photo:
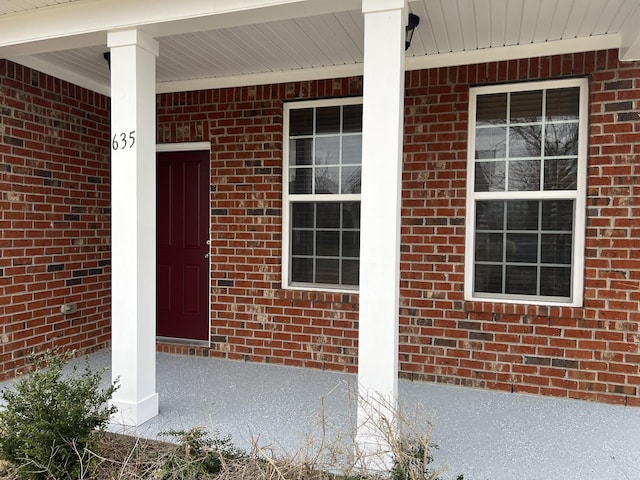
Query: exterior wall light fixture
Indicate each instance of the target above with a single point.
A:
(414, 20)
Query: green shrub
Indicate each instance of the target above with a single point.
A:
(197, 455)
(50, 419)
(412, 463)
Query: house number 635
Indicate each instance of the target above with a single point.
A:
(121, 140)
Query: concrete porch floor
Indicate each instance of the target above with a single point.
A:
(485, 435)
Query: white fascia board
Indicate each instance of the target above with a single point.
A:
(319, 73)
(53, 44)
(63, 74)
(27, 30)
(515, 52)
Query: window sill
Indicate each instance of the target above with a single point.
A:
(321, 288)
(545, 302)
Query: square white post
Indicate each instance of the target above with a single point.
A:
(133, 224)
(382, 141)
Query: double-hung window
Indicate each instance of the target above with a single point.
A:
(322, 169)
(526, 192)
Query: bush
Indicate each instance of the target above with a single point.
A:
(49, 423)
(197, 455)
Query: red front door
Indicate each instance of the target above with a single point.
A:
(182, 245)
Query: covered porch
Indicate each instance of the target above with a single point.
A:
(170, 51)
(481, 434)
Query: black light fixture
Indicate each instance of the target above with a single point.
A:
(414, 20)
(107, 57)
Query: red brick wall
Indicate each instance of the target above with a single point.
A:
(54, 216)
(55, 244)
(252, 317)
(54, 233)
(589, 353)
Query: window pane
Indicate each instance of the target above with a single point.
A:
(563, 103)
(490, 215)
(328, 215)
(557, 215)
(302, 242)
(491, 143)
(561, 174)
(525, 141)
(526, 106)
(556, 248)
(521, 280)
(327, 180)
(351, 180)
(300, 180)
(352, 118)
(352, 149)
(491, 109)
(328, 151)
(489, 177)
(561, 139)
(351, 215)
(524, 175)
(301, 269)
(328, 271)
(351, 244)
(555, 281)
(522, 215)
(302, 215)
(328, 120)
(327, 243)
(489, 247)
(522, 247)
(301, 151)
(301, 121)
(488, 279)
(350, 272)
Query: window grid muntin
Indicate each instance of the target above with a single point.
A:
(577, 112)
(315, 166)
(354, 131)
(539, 233)
(544, 123)
(314, 230)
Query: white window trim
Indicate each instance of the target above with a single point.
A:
(286, 210)
(579, 195)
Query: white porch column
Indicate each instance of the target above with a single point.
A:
(133, 210)
(382, 138)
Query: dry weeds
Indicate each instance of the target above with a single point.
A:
(331, 457)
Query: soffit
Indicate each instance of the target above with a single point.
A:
(468, 30)
(16, 6)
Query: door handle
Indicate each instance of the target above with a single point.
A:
(206, 255)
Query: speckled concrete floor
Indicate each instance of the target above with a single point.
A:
(483, 434)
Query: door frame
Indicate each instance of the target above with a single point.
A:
(188, 147)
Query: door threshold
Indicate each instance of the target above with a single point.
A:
(183, 341)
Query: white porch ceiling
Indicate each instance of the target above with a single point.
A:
(331, 44)
(15, 6)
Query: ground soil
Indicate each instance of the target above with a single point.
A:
(119, 457)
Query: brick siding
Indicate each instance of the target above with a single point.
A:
(253, 318)
(54, 216)
(57, 189)
(588, 353)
